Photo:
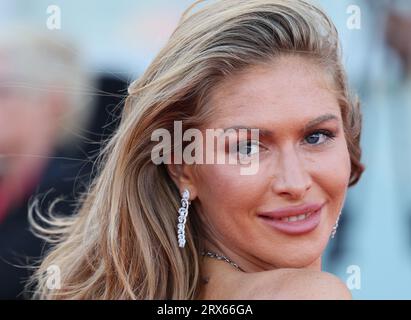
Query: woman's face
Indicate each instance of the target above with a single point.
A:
(303, 159)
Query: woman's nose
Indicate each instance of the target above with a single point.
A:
(291, 179)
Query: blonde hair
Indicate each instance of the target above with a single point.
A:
(122, 242)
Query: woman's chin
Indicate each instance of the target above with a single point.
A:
(301, 261)
(301, 255)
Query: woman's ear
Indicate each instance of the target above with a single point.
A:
(183, 177)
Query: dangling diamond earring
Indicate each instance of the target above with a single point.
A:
(183, 212)
(334, 231)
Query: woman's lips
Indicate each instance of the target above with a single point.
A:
(294, 220)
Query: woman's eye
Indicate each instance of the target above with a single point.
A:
(319, 137)
(248, 148)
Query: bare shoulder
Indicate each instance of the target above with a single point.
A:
(296, 284)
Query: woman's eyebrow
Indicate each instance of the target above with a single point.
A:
(315, 122)
(312, 123)
(261, 132)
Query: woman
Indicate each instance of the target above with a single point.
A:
(152, 229)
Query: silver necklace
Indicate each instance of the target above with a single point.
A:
(217, 256)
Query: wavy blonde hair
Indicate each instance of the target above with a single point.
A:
(121, 244)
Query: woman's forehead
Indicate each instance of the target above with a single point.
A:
(287, 92)
(272, 81)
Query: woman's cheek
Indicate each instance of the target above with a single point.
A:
(226, 188)
(332, 172)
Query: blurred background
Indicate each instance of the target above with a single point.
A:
(64, 71)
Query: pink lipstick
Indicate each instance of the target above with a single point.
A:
(294, 220)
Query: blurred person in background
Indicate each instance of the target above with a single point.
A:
(48, 122)
(398, 38)
(40, 108)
